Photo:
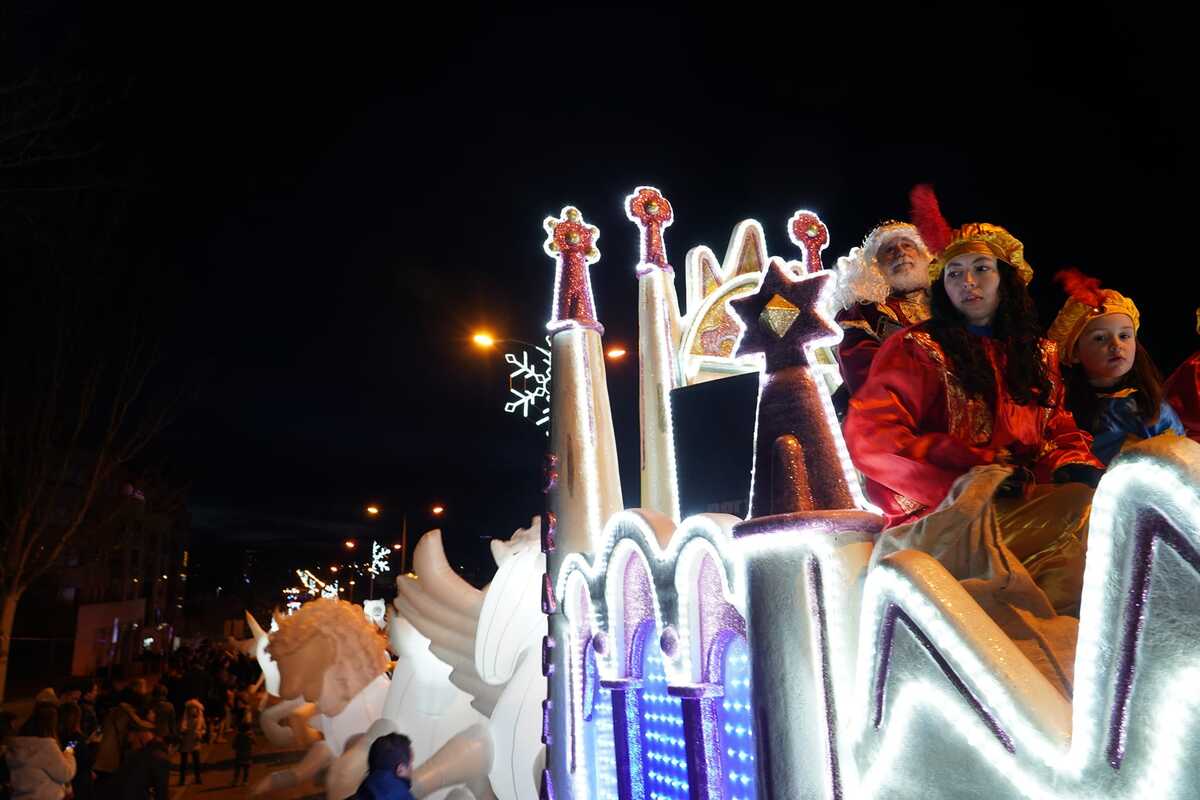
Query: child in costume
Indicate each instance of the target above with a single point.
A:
(1114, 390)
(1183, 391)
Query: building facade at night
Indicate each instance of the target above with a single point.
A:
(117, 595)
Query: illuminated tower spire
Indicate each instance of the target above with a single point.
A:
(658, 344)
(583, 485)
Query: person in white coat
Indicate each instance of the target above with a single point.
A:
(40, 769)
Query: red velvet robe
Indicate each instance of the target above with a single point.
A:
(866, 326)
(912, 430)
(1182, 391)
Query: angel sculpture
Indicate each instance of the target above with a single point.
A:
(426, 707)
(330, 658)
(491, 639)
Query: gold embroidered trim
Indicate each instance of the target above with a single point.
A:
(914, 311)
(907, 504)
(888, 311)
(969, 417)
(858, 324)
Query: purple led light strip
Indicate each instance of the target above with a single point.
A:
(816, 606)
(1150, 526)
(886, 637)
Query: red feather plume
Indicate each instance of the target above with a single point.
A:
(1080, 287)
(927, 216)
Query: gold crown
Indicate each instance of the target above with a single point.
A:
(1076, 314)
(983, 237)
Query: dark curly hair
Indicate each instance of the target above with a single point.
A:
(1083, 399)
(1015, 327)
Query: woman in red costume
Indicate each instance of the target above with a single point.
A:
(976, 385)
(1183, 391)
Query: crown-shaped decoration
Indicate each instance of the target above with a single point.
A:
(651, 212)
(572, 243)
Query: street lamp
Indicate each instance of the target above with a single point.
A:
(615, 353)
(436, 510)
(349, 544)
(486, 341)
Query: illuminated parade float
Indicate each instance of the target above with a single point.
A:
(623, 653)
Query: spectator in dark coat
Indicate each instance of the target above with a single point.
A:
(389, 764)
(163, 712)
(70, 733)
(146, 771)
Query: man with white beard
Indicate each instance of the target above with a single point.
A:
(883, 287)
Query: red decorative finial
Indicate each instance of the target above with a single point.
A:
(572, 243)
(652, 213)
(807, 232)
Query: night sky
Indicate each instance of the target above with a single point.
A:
(323, 207)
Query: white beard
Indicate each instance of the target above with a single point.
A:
(909, 281)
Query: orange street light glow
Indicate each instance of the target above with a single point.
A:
(395, 547)
(437, 510)
(372, 510)
(483, 339)
(333, 569)
(350, 543)
(616, 352)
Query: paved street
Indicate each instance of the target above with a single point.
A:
(217, 773)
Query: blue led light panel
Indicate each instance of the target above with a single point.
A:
(664, 759)
(735, 725)
(598, 733)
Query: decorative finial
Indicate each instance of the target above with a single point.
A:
(572, 243)
(651, 212)
(807, 232)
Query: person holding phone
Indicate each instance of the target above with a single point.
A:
(70, 731)
(41, 770)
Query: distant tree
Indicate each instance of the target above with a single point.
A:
(76, 358)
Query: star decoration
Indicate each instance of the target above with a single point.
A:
(572, 244)
(785, 317)
(652, 213)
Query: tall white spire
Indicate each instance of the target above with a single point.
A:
(658, 346)
(583, 484)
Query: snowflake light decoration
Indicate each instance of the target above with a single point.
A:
(316, 586)
(311, 582)
(379, 559)
(529, 385)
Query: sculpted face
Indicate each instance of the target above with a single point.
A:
(302, 671)
(376, 611)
